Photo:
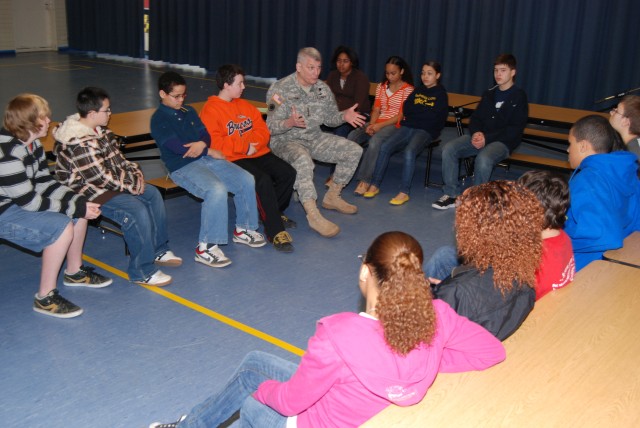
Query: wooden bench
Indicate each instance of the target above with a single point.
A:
(572, 363)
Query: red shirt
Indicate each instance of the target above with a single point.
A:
(557, 266)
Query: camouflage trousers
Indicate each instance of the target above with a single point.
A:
(329, 148)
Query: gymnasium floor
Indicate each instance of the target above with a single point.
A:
(139, 354)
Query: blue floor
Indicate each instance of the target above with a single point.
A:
(138, 355)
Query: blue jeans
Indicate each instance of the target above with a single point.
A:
(210, 180)
(460, 148)
(413, 141)
(33, 230)
(370, 156)
(256, 368)
(143, 221)
(442, 262)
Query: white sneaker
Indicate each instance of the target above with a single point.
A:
(168, 425)
(249, 237)
(212, 256)
(168, 259)
(158, 279)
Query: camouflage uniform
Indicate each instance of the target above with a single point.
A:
(299, 146)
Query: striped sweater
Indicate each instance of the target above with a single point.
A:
(25, 180)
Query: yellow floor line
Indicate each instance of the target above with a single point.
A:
(199, 308)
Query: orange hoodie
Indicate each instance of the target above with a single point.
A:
(233, 125)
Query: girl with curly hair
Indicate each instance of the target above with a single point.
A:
(498, 228)
(358, 364)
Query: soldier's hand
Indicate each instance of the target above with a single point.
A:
(353, 118)
(296, 120)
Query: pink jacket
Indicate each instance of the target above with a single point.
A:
(349, 373)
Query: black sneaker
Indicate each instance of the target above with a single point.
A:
(53, 304)
(282, 242)
(444, 203)
(287, 222)
(169, 425)
(86, 277)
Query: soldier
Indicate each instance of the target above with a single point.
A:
(298, 105)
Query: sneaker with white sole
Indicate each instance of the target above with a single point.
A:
(444, 203)
(158, 279)
(86, 277)
(249, 237)
(168, 259)
(54, 305)
(168, 425)
(211, 256)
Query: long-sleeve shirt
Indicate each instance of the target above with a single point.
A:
(25, 180)
(355, 90)
(426, 108)
(90, 162)
(233, 126)
(172, 129)
(349, 373)
(505, 124)
(317, 105)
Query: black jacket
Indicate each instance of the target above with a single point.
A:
(474, 296)
(505, 125)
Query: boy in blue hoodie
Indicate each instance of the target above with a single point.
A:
(604, 191)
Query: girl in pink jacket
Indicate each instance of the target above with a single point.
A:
(358, 364)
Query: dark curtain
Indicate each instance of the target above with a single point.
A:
(106, 26)
(570, 53)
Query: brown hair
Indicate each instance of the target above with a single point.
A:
(552, 191)
(498, 225)
(632, 112)
(404, 306)
(22, 113)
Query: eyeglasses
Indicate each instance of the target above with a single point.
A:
(343, 61)
(178, 96)
(615, 111)
(107, 110)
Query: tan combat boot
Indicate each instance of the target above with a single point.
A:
(333, 201)
(318, 223)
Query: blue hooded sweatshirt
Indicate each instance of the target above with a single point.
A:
(605, 204)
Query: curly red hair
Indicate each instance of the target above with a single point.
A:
(404, 306)
(498, 225)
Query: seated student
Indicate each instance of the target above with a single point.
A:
(358, 364)
(35, 209)
(424, 114)
(391, 94)
(498, 228)
(625, 118)
(496, 128)
(89, 161)
(239, 132)
(184, 144)
(604, 190)
(557, 266)
(349, 85)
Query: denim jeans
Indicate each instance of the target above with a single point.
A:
(413, 141)
(143, 221)
(256, 368)
(460, 148)
(442, 262)
(210, 180)
(33, 230)
(370, 156)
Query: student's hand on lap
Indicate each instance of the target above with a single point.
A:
(477, 140)
(217, 154)
(253, 148)
(92, 211)
(194, 149)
